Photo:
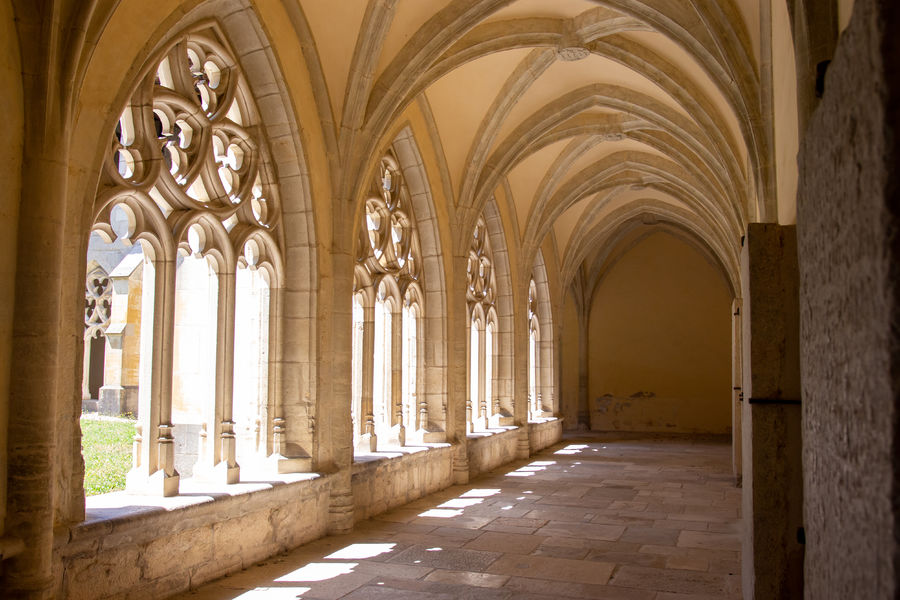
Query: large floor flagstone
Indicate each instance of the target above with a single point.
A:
(593, 517)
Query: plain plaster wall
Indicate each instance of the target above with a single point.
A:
(659, 351)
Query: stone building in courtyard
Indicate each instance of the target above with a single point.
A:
(368, 249)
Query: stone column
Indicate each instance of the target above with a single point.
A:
(481, 421)
(521, 326)
(368, 441)
(470, 410)
(220, 463)
(398, 431)
(154, 449)
(281, 459)
(334, 441)
(583, 312)
(457, 392)
(419, 403)
(772, 476)
(584, 408)
(36, 339)
(275, 409)
(86, 374)
(116, 392)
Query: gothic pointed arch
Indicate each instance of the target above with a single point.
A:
(398, 303)
(197, 168)
(503, 369)
(542, 352)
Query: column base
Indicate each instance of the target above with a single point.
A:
(368, 442)
(428, 436)
(502, 419)
(461, 465)
(584, 421)
(295, 464)
(396, 436)
(157, 484)
(220, 473)
(340, 513)
(523, 447)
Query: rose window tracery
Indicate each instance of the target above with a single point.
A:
(389, 243)
(187, 138)
(481, 405)
(387, 288)
(187, 177)
(480, 268)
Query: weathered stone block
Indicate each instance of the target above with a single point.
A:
(177, 553)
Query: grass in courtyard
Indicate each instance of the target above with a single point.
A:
(106, 446)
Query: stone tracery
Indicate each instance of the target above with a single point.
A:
(388, 305)
(97, 302)
(187, 168)
(535, 408)
(482, 406)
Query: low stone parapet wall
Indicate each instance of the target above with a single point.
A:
(487, 451)
(153, 547)
(385, 480)
(543, 434)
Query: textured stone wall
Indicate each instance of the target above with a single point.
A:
(543, 435)
(172, 544)
(385, 482)
(847, 223)
(156, 552)
(489, 452)
(772, 556)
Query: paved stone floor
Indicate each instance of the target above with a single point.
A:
(630, 519)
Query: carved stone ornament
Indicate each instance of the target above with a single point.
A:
(572, 53)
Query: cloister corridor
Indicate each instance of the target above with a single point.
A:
(592, 517)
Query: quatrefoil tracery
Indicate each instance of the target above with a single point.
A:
(97, 302)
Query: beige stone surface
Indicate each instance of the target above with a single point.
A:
(401, 555)
(574, 128)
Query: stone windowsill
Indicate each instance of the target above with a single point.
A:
(540, 420)
(396, 452)
(104, 511)
(491, 431)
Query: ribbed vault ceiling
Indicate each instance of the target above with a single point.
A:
(587, 118)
